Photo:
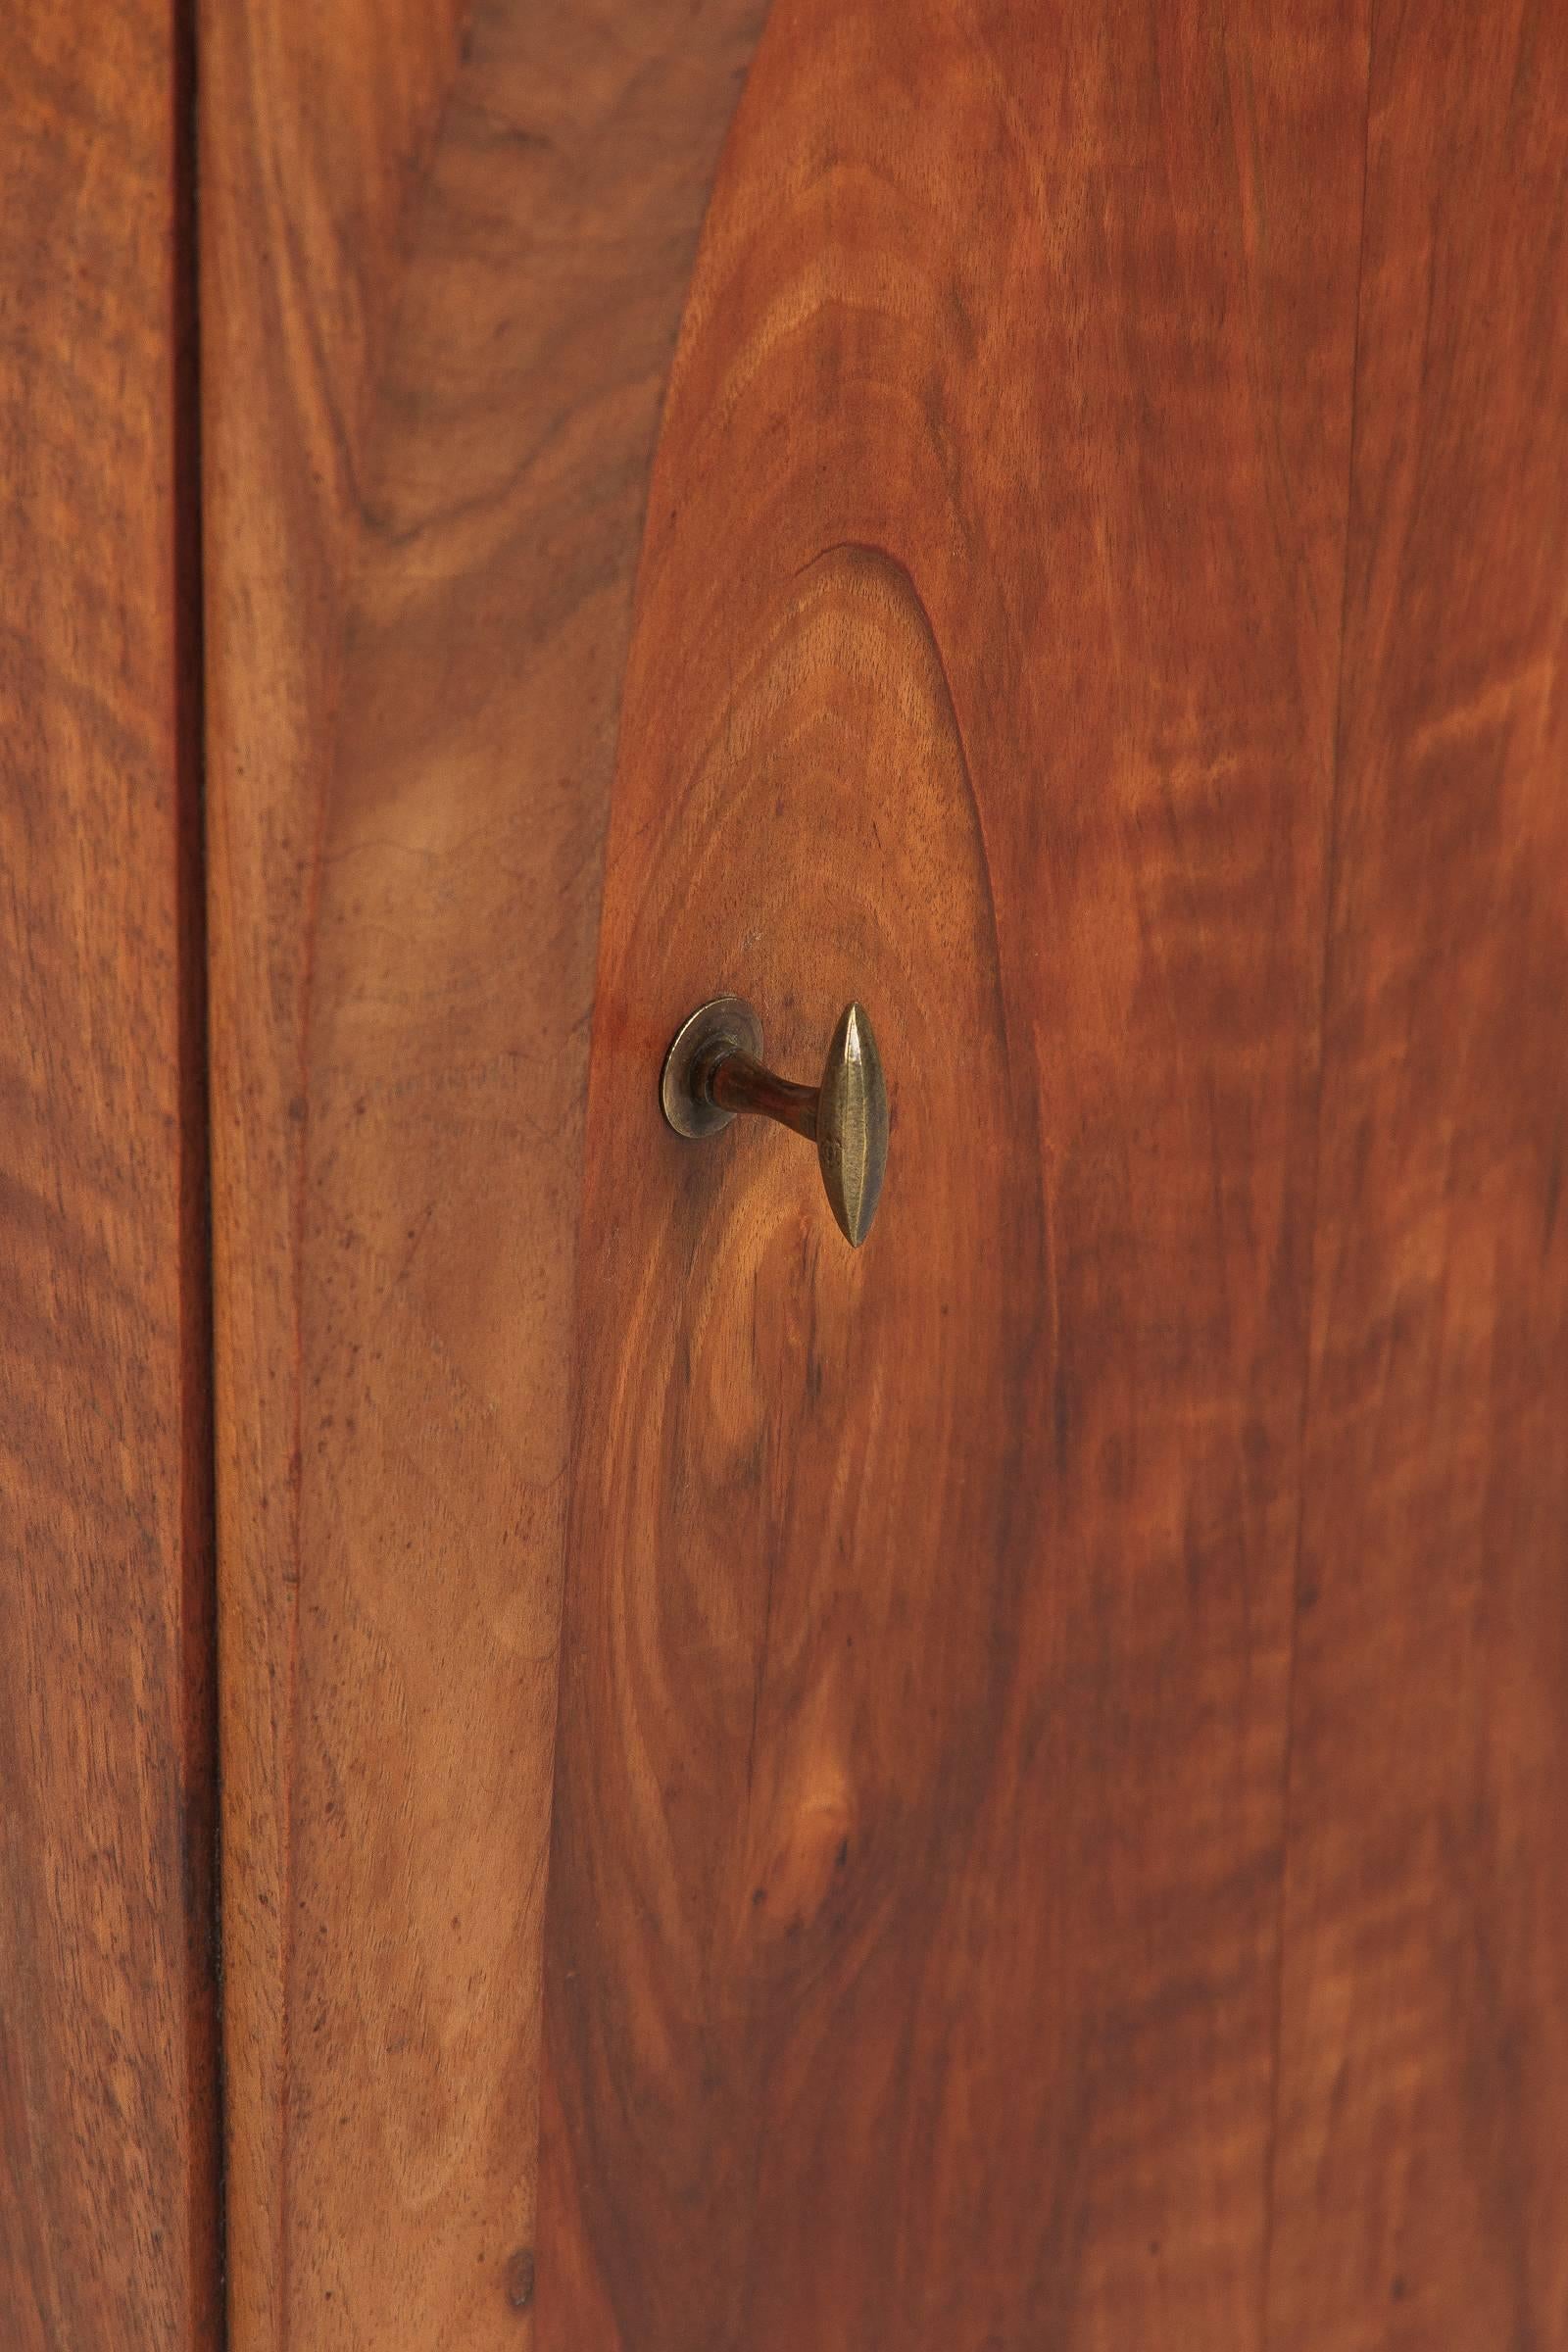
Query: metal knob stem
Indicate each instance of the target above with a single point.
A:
(713, 1070)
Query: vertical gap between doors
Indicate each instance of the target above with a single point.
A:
(199, 1548)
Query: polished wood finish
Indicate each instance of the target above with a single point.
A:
(108, 2041)
(914, 1928)
(1062, 1713)
(1422, 2180)
(443, 283)
(312, 123)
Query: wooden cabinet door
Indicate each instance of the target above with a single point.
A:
(1059, 1718)
(993, 1790)
(1062, 1712)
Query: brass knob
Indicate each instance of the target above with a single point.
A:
(713, 1070)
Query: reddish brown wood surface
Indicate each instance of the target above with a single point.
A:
(312, 123)
(1422, 2180)
(108, 2109)
(443, 282)
(913, 1924)
(1060, 1716)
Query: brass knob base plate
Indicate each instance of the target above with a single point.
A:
(725, 1024)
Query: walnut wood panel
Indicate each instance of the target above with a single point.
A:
(1423, 2163)
(108, 2109)
(913, 1934)
(313, 124)
(443, 286)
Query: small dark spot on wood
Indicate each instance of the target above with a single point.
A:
(1060, 1418)
(296, 1110)
(842, 1853)
(520, 2278)
(1399, 2287)
(1306, 1599)
(758, 1895)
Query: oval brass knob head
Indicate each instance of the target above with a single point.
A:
(851, 1124)
(713, 1070)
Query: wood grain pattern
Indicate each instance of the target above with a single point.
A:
(423, 537)
(313, 122)
(1422, 2185)
(108, 2107)
(913, 1917)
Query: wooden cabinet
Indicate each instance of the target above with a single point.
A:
(994, 1790)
